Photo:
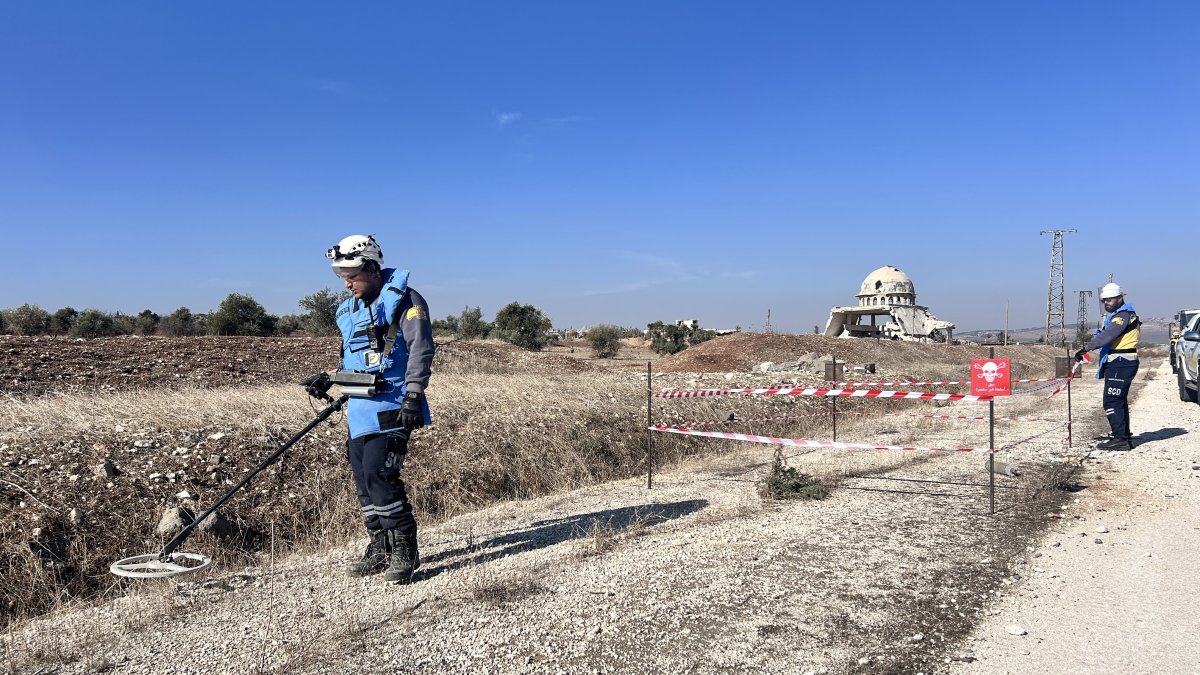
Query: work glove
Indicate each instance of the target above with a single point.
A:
(317, 385)
(412, 415)
(1079, 355)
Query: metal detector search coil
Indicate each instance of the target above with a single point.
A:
(152, 565)
(168, 563)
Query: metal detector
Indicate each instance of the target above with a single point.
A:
(169, 563)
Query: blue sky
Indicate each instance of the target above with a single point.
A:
(615, 162)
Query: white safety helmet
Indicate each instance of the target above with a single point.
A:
(351, 253)
(1110, 290)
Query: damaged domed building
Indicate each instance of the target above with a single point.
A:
(887, 308)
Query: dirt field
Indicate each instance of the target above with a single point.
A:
(511, 425)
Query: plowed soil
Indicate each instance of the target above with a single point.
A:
(35, 366)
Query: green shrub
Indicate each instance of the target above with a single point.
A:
(146, 322)
(785, 482)
(288, 324)
(446, 326)
(28, 320)
(605, 340)
(672, 339)
(522, 325)
(60, 321)
(667, 339)
(321, 315)
(241, 315)
(92, 323)
(178, 324)
(470, 324)
(124, 324)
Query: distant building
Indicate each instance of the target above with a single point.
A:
(887, 308)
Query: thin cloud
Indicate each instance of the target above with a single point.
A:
(656, 271)
(672, 267)
(506, 118)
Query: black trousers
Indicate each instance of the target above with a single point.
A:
(1118, 375)
(376, 461)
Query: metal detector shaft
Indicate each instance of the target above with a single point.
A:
(187, 531)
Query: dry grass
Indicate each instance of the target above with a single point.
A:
(495, 437)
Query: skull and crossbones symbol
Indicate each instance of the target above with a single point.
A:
(990, 370)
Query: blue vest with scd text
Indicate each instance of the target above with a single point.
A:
(1102, 357)
(357, 321)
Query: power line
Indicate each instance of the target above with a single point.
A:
(1081, 325)
(1056, 305)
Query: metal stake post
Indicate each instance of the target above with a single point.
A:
(1070, 376)
(649, 423)
(992, 444)
(834, 401)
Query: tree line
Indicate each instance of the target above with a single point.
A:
(240, 314)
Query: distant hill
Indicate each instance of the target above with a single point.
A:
(1154, 332)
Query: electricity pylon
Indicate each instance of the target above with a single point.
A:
(1081, 327)
(1056, 310)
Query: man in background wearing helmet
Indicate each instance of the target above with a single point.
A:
(1117, 341)
(382, 309)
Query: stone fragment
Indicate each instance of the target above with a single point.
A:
(75, 516)
(1014, 629)
(172, 521)
(105, 470)
(217, 525)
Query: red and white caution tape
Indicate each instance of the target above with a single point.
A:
(827, 414)
(929, 384)
(804, 442)
(958, 417)
(1070, 377)
(1037, 388)
(739, 420)
(798, 391)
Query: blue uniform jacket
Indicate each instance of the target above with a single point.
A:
(407, 365)
(1120, 332)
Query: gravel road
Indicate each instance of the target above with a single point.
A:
(698, 575)
(1114, 587)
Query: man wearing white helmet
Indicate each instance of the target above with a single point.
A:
(382, 309)
(1117, 341)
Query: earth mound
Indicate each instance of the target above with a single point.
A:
(741, 352)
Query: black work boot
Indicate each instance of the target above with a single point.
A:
(404, 558)
(376, 557)
(1117, 444)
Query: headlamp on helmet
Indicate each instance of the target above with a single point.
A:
(351, 253)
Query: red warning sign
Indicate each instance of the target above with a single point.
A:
(990, 377)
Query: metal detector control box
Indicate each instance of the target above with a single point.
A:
(359, 385)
